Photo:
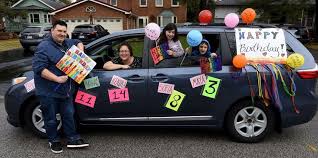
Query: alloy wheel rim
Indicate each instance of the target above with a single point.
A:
(250, 121)
(38, 120)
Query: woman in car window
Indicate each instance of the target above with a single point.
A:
(125, 60)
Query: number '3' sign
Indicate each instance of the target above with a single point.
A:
(211, 87)
(175, 100)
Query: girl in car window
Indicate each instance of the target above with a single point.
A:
(125, 60)
(169, 36)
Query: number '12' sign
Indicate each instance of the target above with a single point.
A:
(175, 100)
(211, 87)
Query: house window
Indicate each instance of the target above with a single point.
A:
(159, 3)
(142, 21)
(34, 18)
(159, 20)
(174, 19)
(45, 18)
(175, 3)
(143, 3)
(79, 20)
(113, 2)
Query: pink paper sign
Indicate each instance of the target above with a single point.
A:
(118, 82)
(197, 81)
(118, 95)
(165, 88)
(85, 99)
(29, 86)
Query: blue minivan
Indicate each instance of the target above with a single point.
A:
(245, 116)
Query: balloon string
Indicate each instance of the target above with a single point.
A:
(259, 81)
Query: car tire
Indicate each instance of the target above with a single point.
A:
(248, 123)
(34, 120)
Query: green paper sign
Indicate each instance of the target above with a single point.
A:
(91, 83)
(175, 100)
(211, 87)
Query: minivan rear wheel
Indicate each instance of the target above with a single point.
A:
(34, 119)
(249, 123)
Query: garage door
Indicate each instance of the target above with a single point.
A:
(71, 23)
(111, 24)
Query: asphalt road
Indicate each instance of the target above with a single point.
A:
(297, 141)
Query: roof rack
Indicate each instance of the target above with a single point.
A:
(253, 25)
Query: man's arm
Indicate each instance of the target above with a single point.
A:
(47, 74)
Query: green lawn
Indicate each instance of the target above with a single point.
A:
(9, 44)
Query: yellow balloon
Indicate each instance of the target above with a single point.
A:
(295, 60)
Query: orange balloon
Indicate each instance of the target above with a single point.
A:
(239, 61)
(248, 15)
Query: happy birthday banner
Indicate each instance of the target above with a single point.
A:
(76, 64)
(261, 45)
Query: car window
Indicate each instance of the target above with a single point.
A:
(31, 30)
(190, 60)
(101, 28)
(83, 29)
(108, 50)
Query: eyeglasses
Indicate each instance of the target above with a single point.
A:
(124, 51)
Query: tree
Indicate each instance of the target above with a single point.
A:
(67, 2)
(6, 11)
(194, 8)
(283, 11)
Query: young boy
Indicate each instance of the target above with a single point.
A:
(204, 50)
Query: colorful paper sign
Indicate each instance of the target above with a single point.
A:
(205, 65)
(156, 55)
(91, 83)
(76, 64)
(197, 81)
(211, 87)
(266, 45)
(118, 95)
(118, 82)
(85, 99)
(165, 88)
(29, 86)
(175, 100)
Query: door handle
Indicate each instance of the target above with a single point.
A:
(159, 78)
(135, 78)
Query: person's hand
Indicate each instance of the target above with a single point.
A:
(170, 52)
(62, 79)
(214, 55)
(125, 66)
(188, 50)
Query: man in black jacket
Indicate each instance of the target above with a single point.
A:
(54, 89)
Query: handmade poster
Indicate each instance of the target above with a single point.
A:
(216, 64)
(165, 88)
(266, 45)
(211, 87)
(85, 99)
(175, 100)
(91, 83)
(159, 53)
(118, 95)
(76, 64)
(29, 86)
(205, 65)
(197, 81)
(118, 82)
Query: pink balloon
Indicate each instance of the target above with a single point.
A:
(231, 20)
(152, 31)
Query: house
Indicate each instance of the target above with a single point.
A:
(118, 15)
(37, 13)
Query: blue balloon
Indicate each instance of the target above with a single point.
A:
(194, 38)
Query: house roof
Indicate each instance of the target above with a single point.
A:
(49, 3)
(94, 1)
(240, 2)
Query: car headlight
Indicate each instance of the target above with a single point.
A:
(41, 34)
(20, 35)
(18, 80)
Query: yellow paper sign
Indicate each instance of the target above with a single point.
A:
(175, 100)
(211, 87)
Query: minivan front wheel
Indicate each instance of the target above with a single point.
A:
(34, 119)
(249, 123)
